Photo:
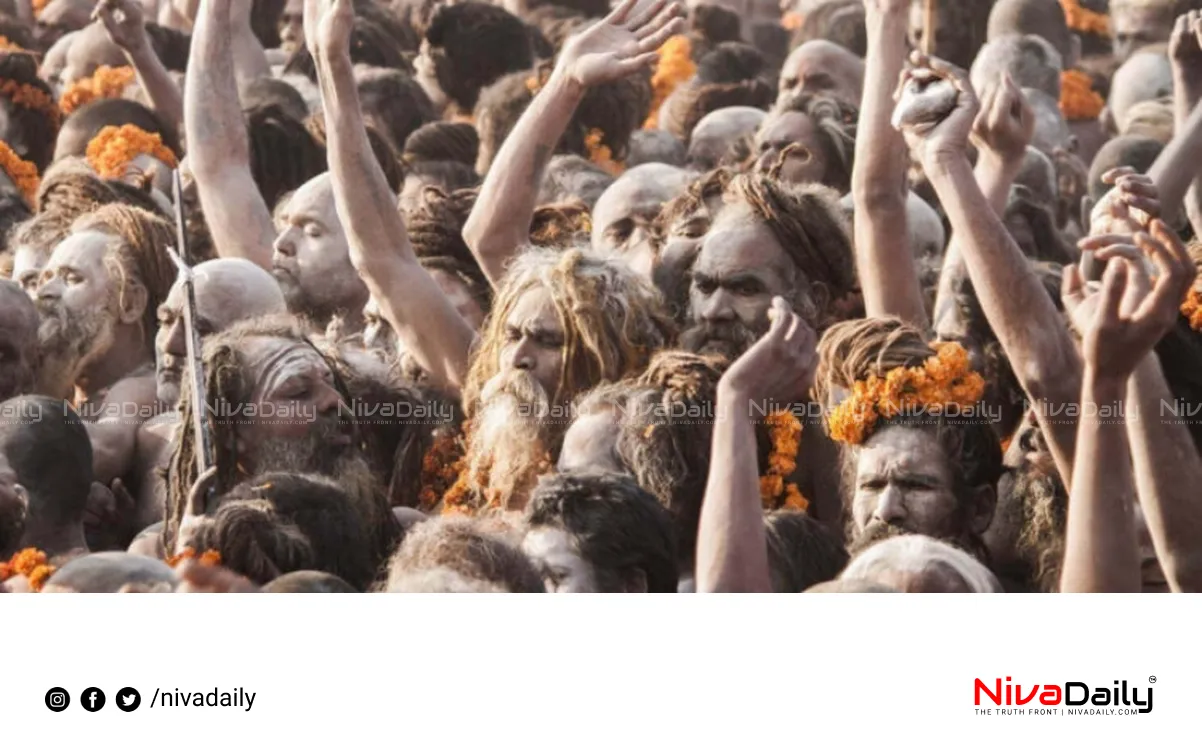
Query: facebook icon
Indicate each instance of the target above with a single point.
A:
(92, 699)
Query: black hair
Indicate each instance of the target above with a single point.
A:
(48, 448)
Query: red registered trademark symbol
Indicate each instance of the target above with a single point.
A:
(1151, 679)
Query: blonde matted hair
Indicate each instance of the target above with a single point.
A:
(613, 320)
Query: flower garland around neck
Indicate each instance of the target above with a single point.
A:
(945, 379)
(208, 558)
(112, 150)
(23, 173)
(469, 497)
(34, 99)
(785, 435)
(1192, 309)
(675, 67)
(31, 563)
(441, 468)
(1083, 20)
(1078, 100)
(105, 82)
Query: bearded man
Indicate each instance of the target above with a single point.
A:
(280, 404)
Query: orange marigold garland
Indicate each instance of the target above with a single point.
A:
(31, 563)
(105, 82)
(209, 558)
(944, 380)
(111, 151)
(1078, 100)
(27, 96)
(22, 173)
(785, 434)
(441, 467)
(1084, 20)
(675, 66)
(1192, 309)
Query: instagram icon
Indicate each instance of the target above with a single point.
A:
(57, 699)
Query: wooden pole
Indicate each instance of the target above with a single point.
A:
(929, 26)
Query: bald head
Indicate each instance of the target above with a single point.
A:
(109, 572)
(637, 195)
(822, 67)
(1146, 76)
(227, 290)
(1029, 60)
(719, 132)
(18, 340)
(655, 146)
(1042, 18)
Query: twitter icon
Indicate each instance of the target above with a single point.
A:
(128, 699)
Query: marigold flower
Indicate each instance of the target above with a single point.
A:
(1192, 309)
(112, 150)
(675, 66)
(1078, 100)
(35, 99)
(785, 437)
(22, 173)
(105, 82)
(1085, 20)
(599, 152)
(31, 563)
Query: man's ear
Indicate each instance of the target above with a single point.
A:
(635, 581)
(984, 502)
(133, 303)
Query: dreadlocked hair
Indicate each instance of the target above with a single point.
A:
(283, 153)
(140, 255)
(85, 123)
(473, 44)
(835, 125)
(29, 103)
(811, 228)
(665, 445)
(613, 321)
(435, 229)
(851, 351)
(561, 225)
(71, 188)
(13, 211)
(680, 217)
(709, 186)
(227, 383)
(443, 141)
(385, 155)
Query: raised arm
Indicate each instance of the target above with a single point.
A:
(1018, 308)
(218, 151)
(1002, 131)
(250, 60)
(1162, 449)
(425, 321)
(126, 27)
(732, 547)
(884, 260)
(1185, 50)
(618, 46)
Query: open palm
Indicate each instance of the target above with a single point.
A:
(621, 44)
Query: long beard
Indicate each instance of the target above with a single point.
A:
(730, 340)
(68, 340)
(511, 437)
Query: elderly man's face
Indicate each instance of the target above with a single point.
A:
(740, 268)
(533, 341)
(77, 298)
(820, 67)
(1134, 27)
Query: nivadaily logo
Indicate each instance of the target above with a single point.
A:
(1072, 697)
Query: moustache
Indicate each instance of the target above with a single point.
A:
(874, 533)
(731, 337)
(517, 384)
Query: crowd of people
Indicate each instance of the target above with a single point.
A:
(565, 295)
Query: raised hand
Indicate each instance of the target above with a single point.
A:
(1127, 208)
(328, 25)
(124, 21)
(1006, 123)
(945, 132)
(1124, 320)
(780, 366)
(621, 44)
(1185, 43)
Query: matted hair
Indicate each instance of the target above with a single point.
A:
(835, 126)
(467, 548)
(612, 319)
